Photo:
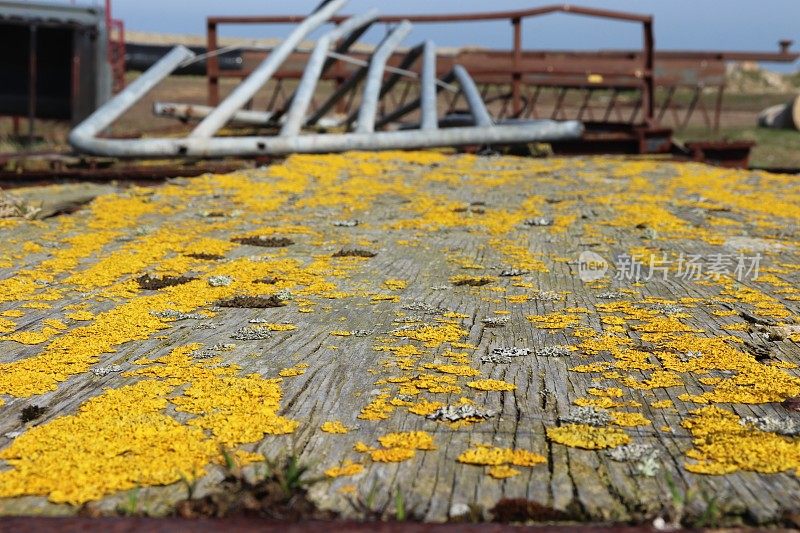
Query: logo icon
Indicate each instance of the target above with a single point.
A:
(591, 266)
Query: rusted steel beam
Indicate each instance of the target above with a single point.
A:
(458, 17)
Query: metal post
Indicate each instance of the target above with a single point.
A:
(245, 90)
(372, 87)
(718, 107)
(305, 89)
(479, 113)
(125, 99)
(32, 65)
(516, 76)
(648, 95)
(317, 64)
(428, 88)
(212, 64)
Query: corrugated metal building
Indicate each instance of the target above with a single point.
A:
(54, 62)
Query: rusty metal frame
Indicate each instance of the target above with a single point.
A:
(203, 142)
(518, 77)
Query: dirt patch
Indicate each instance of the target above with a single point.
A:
(265, 241)
(267, 281)
(153, 283)
(354, 252)
(281, 495)
(31, 413)
(472, 281)
(252, 302)
(206, 257)
(522, 510)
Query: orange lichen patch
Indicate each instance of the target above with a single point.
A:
(485, 455)
(12, 313)
(612, 392)
(234, 409)
(385, 298)
(7, 326)
(472, 281)
(348, 468)
(433, 336)
(334, 426)
(723, 445)
(276, 326)
(491, 385)
(662, 404)
(377, 409)
(341, 333)
(32, 337)
(502, 472)
(554, 320)
(296, 370)
(458, 370)
(625, 419)
(117, 441)
(395, 284)
(588, 437)
(78, 349)
(658, 379)
(424, 407)
(106, 216)
(415, 440)
(392, 455)
(83, 316)
(600, 403)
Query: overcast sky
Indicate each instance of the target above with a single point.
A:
(680, 24)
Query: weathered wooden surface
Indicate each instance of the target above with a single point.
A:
(427, 218)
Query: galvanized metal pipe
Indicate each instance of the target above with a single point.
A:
(124, 100)
(314, 68)
(428, 88)
(323, 143)
(476, 105)
(245, 90)
(414, 104)
(305, 90)
(199, 112)
(372, 87)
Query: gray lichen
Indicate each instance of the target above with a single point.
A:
(345, 223)
(220, 281)
(539, 221)
(610, 295)
(252, 333)
(546, 296)
(511, 272)
(105, 370)
(495, 321)
(644, 456)
(172, 314)
(213, 351)
(587, 415)
(454, 413)
(772, 424)
(553, 351)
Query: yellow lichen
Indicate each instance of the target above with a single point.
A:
(588, 437)
(492, 385)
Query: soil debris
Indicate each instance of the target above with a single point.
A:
(265, 241)
(31, 413)
(522, 510)
(354, 252)
(153, 283)
(252, 302)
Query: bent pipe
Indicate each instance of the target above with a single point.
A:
(542, 131)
